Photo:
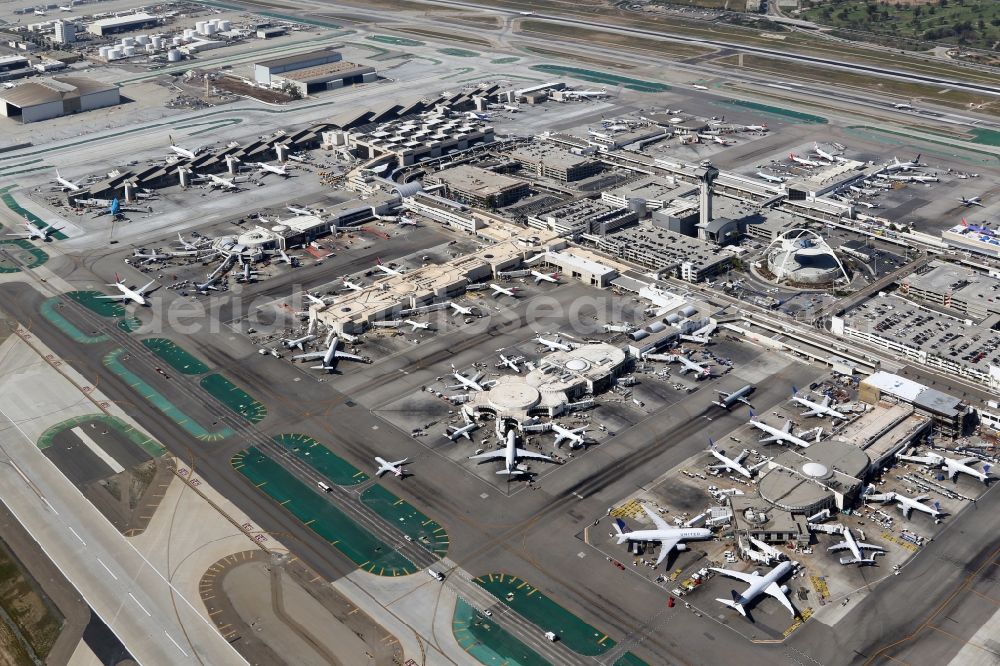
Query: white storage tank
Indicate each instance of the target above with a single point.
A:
(225, 26)
(200, 27)
(129, 51)
(150, 48)
(177, 41)
(104, 51)
(157, 42)
(142, 39)
(128, 41)
(115, 53)
(211, 28)
(189, 33)
(173, 55)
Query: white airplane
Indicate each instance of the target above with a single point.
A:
(205, 287)
(971, 201)
(668, 536)
(330, 356)
(953, 465)
(903, 106)
(913, 178)
(224, 183)
(404, 221)
(733, 464)
(574, 437)
(817, 408)
(856, 547)
(769, 178)
(554, 345)
(270, 168)
(755, 128)
(454, 433)
(67, 185)
(151, 257)
(727, 400)
(284, 257)
(473, 383)
(510, 361)
(699, 87)
(722, 142)
(511, 455)
(353, 286)
(896, 165)
(829, 157)
(33, 231)
(503, 291)
(545, 277)
(187, 245)
(66, 8)
(689, 366)
(415, 325)
(248, 274)
(460, 309)
(781, 435)
(300, 343)
(766, 584)
(182, 152)
(40, 12)
(394, 467)
(803, 161)
(317, 300)
(300, 211)
(388, 270)
(128, 293)
(908, 504)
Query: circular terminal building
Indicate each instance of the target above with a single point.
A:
(802, 256)
(561, 378)
(826, 475)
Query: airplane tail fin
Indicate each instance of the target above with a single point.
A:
(795, 391)
(620, 529)
(734, 604)
(752, 415)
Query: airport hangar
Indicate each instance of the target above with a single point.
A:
(58, 96)
(311, 72)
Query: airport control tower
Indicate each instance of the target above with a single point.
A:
(706, 174)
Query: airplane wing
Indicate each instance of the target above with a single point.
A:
(840, 546)
(521, 453)
(666, 546)
(811, 412)
(739, 575)
(490, 455)
(308, 356)
(774, 590)
(869, 546)
(968, 461)
(120, 297)
(744, 400)
(660, 523)
(906, 508)
(143, 290)
(349, 357)
(952, 472)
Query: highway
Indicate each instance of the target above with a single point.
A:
(773, 53)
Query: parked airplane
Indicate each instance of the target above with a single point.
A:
(903, 106)
(906, 504)
(971, 201)
(66, 8)
(817, 408)
(40, 12)
(353, 286)
(769, 178)
(545, 277)
(330, 356)
(733, 464)
(896, 165)
(269, 168)
(979, 229)
(503, 291)
(150, 257)
(755, 128)
(856, 547)
(829, 157)
(766, 584)
(33, 231)
(803, 161)
(285, 258)
(300, 343)
(138, 296)
(223, 183)
(300, 211)
(511, 455)
(67, 185)
(414, 325)
(187, 245)
(454, 433)
(183, 152)
(574, 437)
(699, 87)
(205, 287)
(782, 436)
(727, 400)
(317, 300)
(247, 274)
(953, 465)
(668, 536)
(394, 467)
(388, 270)
(469, 383)
(460, 309)
(554, 345)
(510, 361)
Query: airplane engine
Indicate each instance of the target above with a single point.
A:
(784, 589)
(681, 547)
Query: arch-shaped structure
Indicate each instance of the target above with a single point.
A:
(803, 256)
